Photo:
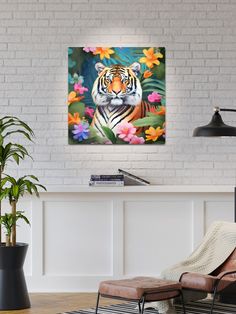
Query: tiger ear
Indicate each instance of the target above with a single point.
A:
(99, 67)
(135, 67)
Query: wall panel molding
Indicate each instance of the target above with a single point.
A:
(114, 235)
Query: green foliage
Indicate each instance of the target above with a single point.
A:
(10, 187)
(77, 107)
(150, 85)
(151, 120)
(17, 188)
(11, 151)
(109, 134)
(9, 220)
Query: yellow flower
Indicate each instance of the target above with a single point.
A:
(72, 98)
(151, 57)
(73, 119)
(147, 74)
(153, 134)
(103, 52)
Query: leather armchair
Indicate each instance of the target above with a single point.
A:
(221, 281)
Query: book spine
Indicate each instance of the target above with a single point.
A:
(107, 177)
(110, 180)
(106, 183)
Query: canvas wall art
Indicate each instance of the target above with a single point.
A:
(116, 95)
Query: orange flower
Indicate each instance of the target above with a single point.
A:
(151, 57)
(161, 110)
(147, 74)
(72, 98)
(73, 119)
(103, 52)
(153, 134)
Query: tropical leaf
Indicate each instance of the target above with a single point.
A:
(77, 107)
(155, 120)
(18, 187)
(150, 90)
(109, 134)
(150, 80)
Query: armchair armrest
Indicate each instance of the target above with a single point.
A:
(226, 273)
(195, 275)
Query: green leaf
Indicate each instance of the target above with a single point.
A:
(109, 134)
(77, 107)
(150, 90)
(19, 131)
(19, 215)
(15, 191)
(1, 140)
(155, 120)
(16, 157)
(163, 101)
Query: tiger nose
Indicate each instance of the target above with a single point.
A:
(116, 91)
(116, 86)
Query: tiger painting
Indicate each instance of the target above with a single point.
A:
(117, 93)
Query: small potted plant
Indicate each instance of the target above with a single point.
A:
(13, 292)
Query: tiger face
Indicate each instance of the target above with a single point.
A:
(117, 85)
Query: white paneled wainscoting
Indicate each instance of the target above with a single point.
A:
(82, 236)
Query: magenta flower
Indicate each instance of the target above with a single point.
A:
(154, 97)
(137, 140)
(89, 112)
(81, 131)
(79, 88)
(126, 131)
(89, 49)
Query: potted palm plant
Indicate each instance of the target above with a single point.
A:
(13, 292)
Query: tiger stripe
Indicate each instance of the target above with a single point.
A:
(111, 117)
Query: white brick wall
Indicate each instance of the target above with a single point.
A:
(200, 39)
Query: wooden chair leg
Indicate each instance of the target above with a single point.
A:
(98, 297)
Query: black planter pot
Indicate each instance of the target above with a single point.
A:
(13, 289)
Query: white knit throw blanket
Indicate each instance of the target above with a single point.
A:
(218, 243)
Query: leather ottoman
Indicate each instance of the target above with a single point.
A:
(140, 289)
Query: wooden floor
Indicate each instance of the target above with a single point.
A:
(52, 303)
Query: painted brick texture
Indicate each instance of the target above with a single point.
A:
(200, 41)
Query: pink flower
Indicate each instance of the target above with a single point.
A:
(89, 112)
(126, 131)
(154, 97)
(137, 140)
(89, 49)
(79, 88)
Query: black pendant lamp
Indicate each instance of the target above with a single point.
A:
(216, 127)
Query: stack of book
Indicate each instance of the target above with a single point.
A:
(107, 180)
(121, 179)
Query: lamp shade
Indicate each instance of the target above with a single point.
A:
(216, 127)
